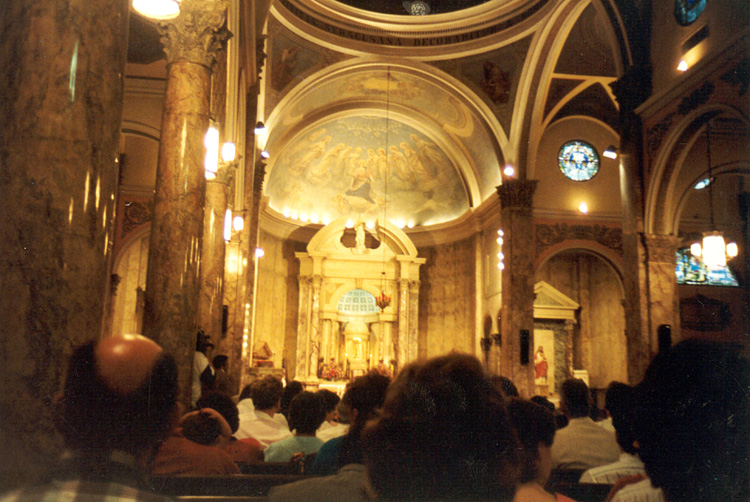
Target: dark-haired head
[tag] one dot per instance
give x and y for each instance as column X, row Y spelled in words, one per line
column 443, row 434
column 306, row 413
column 505, row 385
column 693, row 422
column 535, row 428
column 220, row 361
column 292, row 389
column 330, row 400
column 620, row 404
column 224, row 405
column 201, row 428
column 574, row 398
column 362, row 398
column 266, row 392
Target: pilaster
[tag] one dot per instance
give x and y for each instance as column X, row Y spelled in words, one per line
column 516, row 200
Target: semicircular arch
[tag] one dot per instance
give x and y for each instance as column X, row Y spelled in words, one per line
column 664, row 195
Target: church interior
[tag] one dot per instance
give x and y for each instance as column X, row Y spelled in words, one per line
column 329, row 187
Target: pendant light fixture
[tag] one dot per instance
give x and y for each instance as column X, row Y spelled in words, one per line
column 383, row 300
column 713, row 250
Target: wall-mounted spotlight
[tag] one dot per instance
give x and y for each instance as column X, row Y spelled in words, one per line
column 264, row 154
column 228, row 226
column 157, row 9
column 682, row 65
column 260, row 128
column 509, row 171
column 610, row 152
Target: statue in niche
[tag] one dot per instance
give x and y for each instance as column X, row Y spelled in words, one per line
column 359, row 239
column 540, row 365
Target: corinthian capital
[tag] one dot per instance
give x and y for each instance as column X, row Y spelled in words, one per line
column 517, row 193
column 197, row 34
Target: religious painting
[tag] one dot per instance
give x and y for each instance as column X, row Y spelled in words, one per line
column 544, row 361
column 366, row 166
column 288, row 61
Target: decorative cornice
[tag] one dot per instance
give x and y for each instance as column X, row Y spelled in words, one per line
column 397, row 35
column 547, row 235
column 517, row 193
column 197, row 34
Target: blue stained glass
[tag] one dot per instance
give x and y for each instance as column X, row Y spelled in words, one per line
column 687, row 11
column 578, row 160
column 691, row 270
column 357, row 301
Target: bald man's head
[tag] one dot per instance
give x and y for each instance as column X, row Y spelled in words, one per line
column 120, row 393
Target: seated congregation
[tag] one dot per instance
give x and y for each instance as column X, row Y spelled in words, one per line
column 440, row 430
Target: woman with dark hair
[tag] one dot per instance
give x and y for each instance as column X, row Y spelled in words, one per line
column 290, row 391
column 535, row 429
column 361, row 400
column 443, row 434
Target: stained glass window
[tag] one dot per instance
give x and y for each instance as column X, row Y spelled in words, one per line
column 358, row 301
column 703, row 183
column 578, row 160
column 691, row 270
column 687, row 11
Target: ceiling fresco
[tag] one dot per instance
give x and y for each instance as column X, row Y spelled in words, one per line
column 367, row 167
column 423, row 104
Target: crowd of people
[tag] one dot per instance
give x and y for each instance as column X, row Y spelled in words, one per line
column 440, row 430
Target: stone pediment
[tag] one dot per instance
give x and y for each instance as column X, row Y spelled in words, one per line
column 549, row 303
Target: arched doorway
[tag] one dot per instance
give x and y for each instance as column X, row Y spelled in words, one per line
column 594, row 283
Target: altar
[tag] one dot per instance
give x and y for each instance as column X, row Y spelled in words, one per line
column 347, row 267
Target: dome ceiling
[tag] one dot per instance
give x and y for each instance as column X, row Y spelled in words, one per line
column 399, row 7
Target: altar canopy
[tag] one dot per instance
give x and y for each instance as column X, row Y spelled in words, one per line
column 342, row 333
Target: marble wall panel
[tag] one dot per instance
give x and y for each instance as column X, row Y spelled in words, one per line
column 446, row 299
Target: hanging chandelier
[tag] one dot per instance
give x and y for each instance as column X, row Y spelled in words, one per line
column 383, row 300
column 713, row 249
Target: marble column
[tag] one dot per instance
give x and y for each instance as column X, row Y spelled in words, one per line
column 213, row 256
column 569, row 329
column 516, row 198
column 632, row 89
column 663, row 299
column 303, row 328
column 312, row 370
column 326, row 351
column 402, row 344
column 191, row 42
column 61, row 75
column 413, row 319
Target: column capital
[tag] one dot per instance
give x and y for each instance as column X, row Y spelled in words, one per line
column 660, row 248
column 197, row 34
column 517, row 193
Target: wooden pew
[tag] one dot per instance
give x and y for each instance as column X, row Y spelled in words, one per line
column 241, row 485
